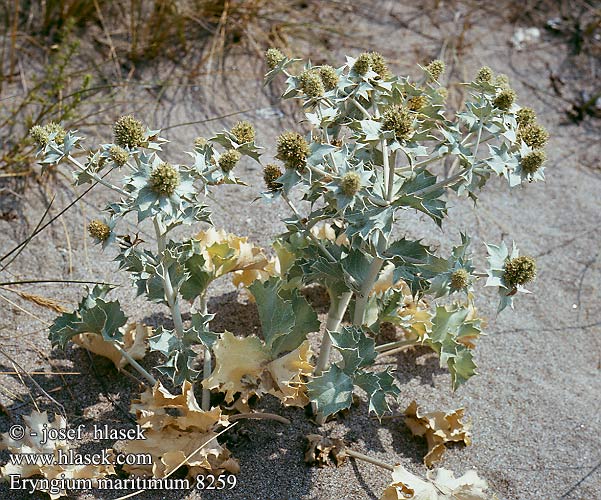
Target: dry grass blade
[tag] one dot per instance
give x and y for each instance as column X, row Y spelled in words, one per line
column 39, row 300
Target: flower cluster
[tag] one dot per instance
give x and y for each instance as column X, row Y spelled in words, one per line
column 129, row 132
column 292, row 149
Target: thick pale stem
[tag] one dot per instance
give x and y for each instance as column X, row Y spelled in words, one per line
column 389, row 167
column 136, row 365
column 338, row 306
column 205, row 403
column 363, row 295
column 259, row 416
column 394, row 345
column 365, row 458
column 170, row 294
column 361, row 108
column 378, row 262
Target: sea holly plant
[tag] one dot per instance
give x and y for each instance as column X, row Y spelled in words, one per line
column 375, row 149
column 379, row 146
column 169, row 272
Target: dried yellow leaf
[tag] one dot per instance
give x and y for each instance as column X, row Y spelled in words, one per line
column 31, row 444
column 288, row 374
column 440, row 486
column 243, row 365
column 177, row 433
column 438, row 428
column 135, row 343
column 239, row 363
column 323, row 451
column 225, row 253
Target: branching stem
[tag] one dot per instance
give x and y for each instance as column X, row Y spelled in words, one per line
column 170, row 294
column 365, row 458
column 205, row 403
column 139, row 368
column 338, row 306
column 259, row 416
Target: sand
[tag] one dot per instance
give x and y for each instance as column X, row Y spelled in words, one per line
column 535, row 404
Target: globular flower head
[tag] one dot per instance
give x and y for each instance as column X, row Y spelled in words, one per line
column 118, row 155
column 443, row 92
column 398, row 119
column 329, row 77
column 164, row 179
column 243, row 132
column 417, row 102
column 273, row 57
column 41, row 134
column 271, row 173
column 229, row 159
column 378, row 64
column 129, row 132
column 504, row 99
column 502, row 80
column 533, row 160
column 362, row 64
column 292, row 149
column 99, row 230
column 525, row 116
column 435, row 69
column 484, row 75
column 311, row 83
column 200, row 142
column 460, row 279
column 519, row 271
column 57, row 130
column 350, row 183
column 533, row 134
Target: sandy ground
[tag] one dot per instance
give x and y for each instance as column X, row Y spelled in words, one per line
column 535, row 405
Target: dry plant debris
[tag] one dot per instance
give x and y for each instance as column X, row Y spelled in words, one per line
column 244, row 366
column 31, row 444
column 323, row 451
column 438, row 428
column 135, row 343
column 438, row 485
column 178, row 432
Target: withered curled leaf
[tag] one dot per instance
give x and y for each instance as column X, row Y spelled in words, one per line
column 323, row 451
column 438, row 428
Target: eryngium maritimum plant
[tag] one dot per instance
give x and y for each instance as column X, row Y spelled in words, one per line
column 374, row 149
column 168, row 271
